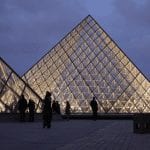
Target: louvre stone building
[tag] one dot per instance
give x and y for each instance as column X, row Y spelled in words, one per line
column 85, row 63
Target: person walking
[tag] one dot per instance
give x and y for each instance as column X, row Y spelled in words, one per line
column 94, row 107
column 47, row 110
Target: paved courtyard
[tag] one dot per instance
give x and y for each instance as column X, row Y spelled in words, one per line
column 73, row 135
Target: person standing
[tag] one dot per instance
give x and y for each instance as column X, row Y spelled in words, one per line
column 22, row 106
column 54, row 106
column 31, row 106
column 67, row 110
column 57, row 108
column 94, row 107
column 47, row 110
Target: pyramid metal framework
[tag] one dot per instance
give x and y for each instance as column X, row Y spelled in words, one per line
column 11, row 87
column 87, row 63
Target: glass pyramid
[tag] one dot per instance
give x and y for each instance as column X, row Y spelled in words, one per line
column 11, row 87
column 87, row 63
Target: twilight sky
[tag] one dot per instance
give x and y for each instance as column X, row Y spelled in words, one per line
column 28, row 29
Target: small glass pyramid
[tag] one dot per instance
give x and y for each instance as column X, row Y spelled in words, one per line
column 11, row 87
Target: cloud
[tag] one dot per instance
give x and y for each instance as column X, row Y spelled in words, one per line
column 133, row 20
column 135, row 11
column 30, row 28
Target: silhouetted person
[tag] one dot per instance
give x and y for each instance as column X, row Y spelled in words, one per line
column 54, row 106
column 67, row 109
column 22, row 106
column 47, row 110
column 57, row 108
column 94, row 107
column 31, row 106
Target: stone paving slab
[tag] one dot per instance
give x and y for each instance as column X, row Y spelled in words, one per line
column 116, row 136
column 73, row 135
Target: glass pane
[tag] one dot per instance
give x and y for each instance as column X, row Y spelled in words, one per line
column 9, row 100
column 4, row 71
column 30, row 95
column 16, row 84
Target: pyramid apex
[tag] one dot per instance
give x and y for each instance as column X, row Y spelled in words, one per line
column 89, row 16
